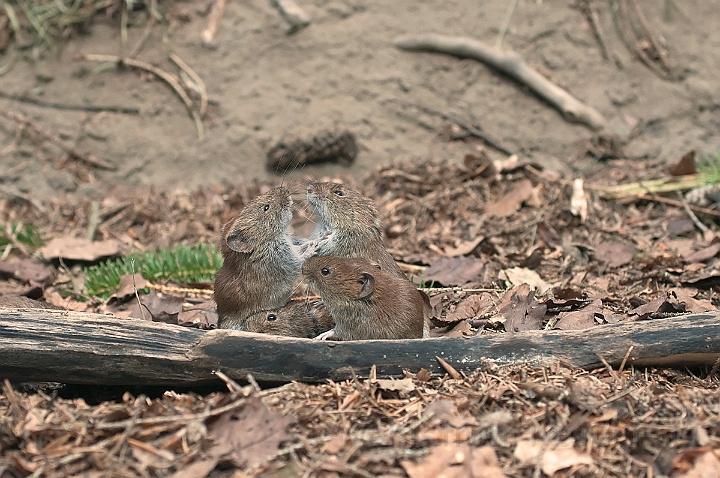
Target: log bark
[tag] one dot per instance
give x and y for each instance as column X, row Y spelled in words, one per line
column 71, row 347
column 511, row 64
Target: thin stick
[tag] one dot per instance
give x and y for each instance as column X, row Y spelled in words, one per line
column 625, row 359
column 146, row 33
column 165, row 76
column 672, row 202
column 594, row 20
column 506, row 23
column 137, row 296
column 214, row 17
column 87, row 159
column 631, row 42
column 94, row 220
column 511, row 64
column 66, row 107
column 12, row 237
column 661, row 51
column 196, row 78
column 703, row 228
column 487, row 138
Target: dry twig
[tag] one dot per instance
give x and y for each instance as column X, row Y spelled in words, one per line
column 511, row 64
column 214, row 17
column 474, row 131
column 90, row 159
column 165, row 76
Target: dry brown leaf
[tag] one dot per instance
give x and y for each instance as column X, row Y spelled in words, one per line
column 28, row 270
column 703, row 254
column 470, row 307
column 527, row 451
column 196, row 469
column 511, row 202
column 562, row 456
column 521, row 275
column 156, row 460
column 337, row 444
column 129, row 284
column 80, row 249
column 461, row 329
column 580, row 319
column 615, row 254
column 658, row 306
column 451, row 271
column 445, row 411
column 200, row 316
column 706, row 465
column 464, row 247
column 456, row 461
column 158, row 307
column 248, row 435
column 680, row 226
column 685, row 166
column 55, row 298
column 687, row 297
column 522, row 311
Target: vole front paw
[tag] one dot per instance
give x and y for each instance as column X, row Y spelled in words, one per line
column 309, row 248
column 326, row 335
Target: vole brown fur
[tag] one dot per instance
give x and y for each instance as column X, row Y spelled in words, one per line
column 353, row 220
column 365, row 301
column 261, row 263
column 296, row 319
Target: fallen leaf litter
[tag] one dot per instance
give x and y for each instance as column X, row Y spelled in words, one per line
column 509, row 421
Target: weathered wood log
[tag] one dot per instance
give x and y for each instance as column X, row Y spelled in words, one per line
column 71, row 347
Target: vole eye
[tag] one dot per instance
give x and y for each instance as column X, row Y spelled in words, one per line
column 338, row 192
column 271, row 317
column 325, row 271
column 266, row 207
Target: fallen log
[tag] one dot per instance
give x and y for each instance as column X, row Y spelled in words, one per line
column 72, row 347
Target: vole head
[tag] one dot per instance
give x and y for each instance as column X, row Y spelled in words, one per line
column 265, row 217
column 296, row 319
column 341, row 277
column 342, row 208
column 268, row 322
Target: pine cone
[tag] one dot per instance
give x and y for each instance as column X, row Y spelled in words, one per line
column 325, row 147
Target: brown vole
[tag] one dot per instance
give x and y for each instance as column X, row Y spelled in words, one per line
column 353, row 220
column 261, row 263
column 365, row 301
column 296, row 319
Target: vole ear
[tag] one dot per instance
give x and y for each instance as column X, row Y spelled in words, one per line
column 238, row 241
column 367, row 285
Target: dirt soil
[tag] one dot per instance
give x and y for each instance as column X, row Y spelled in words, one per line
column 264, row 85
column 447, row 221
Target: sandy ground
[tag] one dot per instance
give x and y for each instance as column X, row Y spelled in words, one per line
column 264, row 85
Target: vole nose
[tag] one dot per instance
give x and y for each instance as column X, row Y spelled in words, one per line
column 310, row 189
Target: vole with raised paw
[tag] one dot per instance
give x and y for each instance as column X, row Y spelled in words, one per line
column 296, row 319
column 365, row 301
column 353, row 220
column 261, row 264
